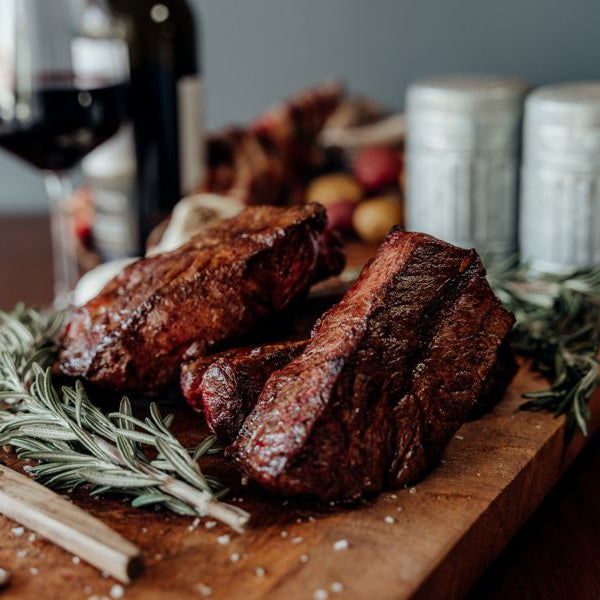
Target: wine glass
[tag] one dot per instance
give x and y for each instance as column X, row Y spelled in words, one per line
column 63, row 75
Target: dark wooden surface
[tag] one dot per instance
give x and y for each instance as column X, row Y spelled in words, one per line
column 25, row 261
column 555, row 555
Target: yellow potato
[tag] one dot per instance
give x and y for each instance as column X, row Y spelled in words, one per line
column 373, row 218
column 331, row 189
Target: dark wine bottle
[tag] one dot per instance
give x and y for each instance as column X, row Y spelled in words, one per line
column 165, row 103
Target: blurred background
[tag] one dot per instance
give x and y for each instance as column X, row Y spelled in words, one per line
column 255, row 53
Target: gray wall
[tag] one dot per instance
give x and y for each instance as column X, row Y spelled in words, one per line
column 256, row 51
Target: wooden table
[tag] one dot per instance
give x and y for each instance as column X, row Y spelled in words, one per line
column 555, row 555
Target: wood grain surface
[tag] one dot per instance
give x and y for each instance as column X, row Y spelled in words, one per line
column 432, row 541
column 65, row 524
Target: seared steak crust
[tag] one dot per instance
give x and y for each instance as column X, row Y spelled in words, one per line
column 390, row 374
column 226, row 386
column 131, row 337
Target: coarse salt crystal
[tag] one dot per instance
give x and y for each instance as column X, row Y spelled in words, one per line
column 389, row 519
column 21, row 553
column 459, row 437
column 260, row 572
column 297, row 540
column 4, row 577
column 413, row 490
column 32, row 537
column 304, row 558
column 320, row 594
column 341, row 545
column 210, row 524
column 116, row 591
column 76, row 560
column 234, row 557
column 34, row 571
column 203, row 589
column 336, row 587
column 157, row 556
column 223, row 540
column 284, row 534
column 194, row 524
column 18, row 531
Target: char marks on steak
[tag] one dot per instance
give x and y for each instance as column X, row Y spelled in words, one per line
column 132, row 336
column 226, row 386
column 390, row 374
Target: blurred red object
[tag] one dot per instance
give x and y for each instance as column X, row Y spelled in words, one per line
column 81, row 209
column 339, row 216
column 377, row 167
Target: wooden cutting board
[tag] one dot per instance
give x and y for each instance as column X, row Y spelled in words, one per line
column 445, row 531
column 430, row 541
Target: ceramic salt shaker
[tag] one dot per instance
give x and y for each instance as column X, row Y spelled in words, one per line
column 560, row 186
column 463, row 138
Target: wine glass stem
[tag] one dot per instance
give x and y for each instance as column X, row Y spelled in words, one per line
column 66, row 273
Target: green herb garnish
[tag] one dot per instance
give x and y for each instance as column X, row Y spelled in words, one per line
column 75, row 443
column 558, row 327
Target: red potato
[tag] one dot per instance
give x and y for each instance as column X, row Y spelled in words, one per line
column 339, row 215
column 377, row 167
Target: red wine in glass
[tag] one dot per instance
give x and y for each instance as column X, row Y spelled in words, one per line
column 68, row 123
column 64, row 70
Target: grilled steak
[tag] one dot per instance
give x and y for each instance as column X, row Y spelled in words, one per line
column 268, row 161
column 226, row 386
column 132, row 336
column 390, row 374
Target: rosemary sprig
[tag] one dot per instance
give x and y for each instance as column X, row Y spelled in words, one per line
column 558, row 327
column 75, row 443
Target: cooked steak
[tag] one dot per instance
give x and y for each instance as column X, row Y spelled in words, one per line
column 131, row 337
column 226, row 386
column 268, row 161
column 389, row 375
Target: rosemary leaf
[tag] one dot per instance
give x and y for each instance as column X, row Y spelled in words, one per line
column 558, row 328
column 75, row 443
